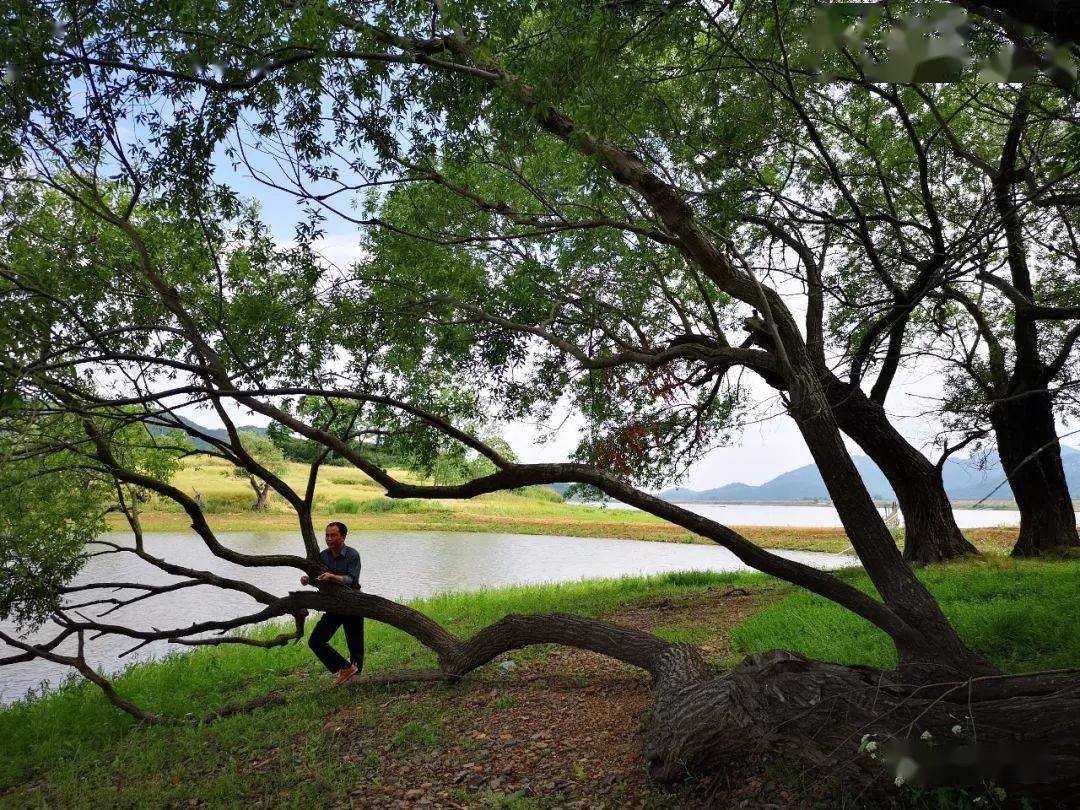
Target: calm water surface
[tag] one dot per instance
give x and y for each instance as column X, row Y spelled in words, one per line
column 398, row 565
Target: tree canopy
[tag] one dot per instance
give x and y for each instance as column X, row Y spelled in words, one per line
column 625, row 209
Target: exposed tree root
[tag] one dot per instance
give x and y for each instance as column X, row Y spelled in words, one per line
column 1018, row 733
column 271, row 699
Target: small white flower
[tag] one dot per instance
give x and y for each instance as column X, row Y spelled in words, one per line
column 871, row 746
column 957, row 730
column 926, row 735
column 906, row 768
column 899, row 781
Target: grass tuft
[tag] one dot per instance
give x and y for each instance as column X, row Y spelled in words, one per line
column 403, row 506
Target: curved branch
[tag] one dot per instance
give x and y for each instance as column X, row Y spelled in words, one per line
column 78, row 661
column 1038, row 312
column 805, row 576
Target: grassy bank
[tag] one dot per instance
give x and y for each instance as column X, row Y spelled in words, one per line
column 347, row 494
column 358, row 744
column 1022, row 615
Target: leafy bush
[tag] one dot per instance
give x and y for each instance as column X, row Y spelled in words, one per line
column 223, row 504
column 350, row 480
column 405, row 506
column 539, row 493
column 345, row 506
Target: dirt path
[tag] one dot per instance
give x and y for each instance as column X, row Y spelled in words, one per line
column 562, row 728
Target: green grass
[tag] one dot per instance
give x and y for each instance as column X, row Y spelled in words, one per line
column 1023, row 616
column 73, row 749
column 404, row 506
column 94, row 756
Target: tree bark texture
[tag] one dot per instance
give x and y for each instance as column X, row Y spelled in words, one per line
column 1031, row 457
column 930, row 531
column 1022, row 734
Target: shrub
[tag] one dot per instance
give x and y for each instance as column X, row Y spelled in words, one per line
column 345, row 506
column 540, row 493
column 224, row 504
column 350, row 480
column 405, row 506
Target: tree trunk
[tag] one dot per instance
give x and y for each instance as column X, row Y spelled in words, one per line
column 939, row 653
column 1020, row 734
column 1023, row 417
column 1031, row 457
column 930, row 531
column 262, row 496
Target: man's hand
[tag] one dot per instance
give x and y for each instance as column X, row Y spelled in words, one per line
column 326, row 576
column 304, row 580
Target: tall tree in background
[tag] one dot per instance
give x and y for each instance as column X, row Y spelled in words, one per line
column 946, row 194
column 850, row 205
column 1016, row 358
column 269, row 456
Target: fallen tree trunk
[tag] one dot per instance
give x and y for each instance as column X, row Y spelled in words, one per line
column 1020, row 734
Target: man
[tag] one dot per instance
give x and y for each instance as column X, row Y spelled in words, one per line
column 343, row 567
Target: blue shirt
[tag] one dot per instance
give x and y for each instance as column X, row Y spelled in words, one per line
column 347, row 563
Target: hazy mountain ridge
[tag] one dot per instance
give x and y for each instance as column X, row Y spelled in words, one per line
column 964, row 481
column 217, row 433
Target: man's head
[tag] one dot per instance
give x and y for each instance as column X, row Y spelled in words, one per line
column 335, row 536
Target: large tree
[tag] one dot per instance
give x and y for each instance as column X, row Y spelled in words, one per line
column 979, row 274
column 1015, row 356
column 548, row 147
column 962, row 199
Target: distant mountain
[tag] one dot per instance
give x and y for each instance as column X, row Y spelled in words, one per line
column 965, row 480
column 217, row 433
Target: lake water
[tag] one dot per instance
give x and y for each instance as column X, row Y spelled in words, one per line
column 397, row 565
column 787, row 514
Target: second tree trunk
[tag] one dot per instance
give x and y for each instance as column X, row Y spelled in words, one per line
column 930, row 531
column 1031, row 457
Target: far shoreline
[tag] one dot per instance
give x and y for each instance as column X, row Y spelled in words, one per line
column 879, row 502
column 619, row 524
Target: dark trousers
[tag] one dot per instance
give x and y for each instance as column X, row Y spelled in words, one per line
column 354, row 637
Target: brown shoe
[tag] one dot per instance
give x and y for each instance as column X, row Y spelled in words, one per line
column 344, row 675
